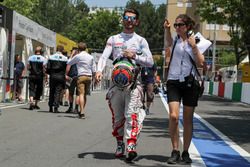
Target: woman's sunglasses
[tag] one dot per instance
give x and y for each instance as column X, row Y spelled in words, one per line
column 179, row 25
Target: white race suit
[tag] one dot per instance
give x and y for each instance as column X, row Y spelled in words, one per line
column 126, row 104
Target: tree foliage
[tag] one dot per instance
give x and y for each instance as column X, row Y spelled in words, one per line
column 97, row 27
column 230, row 12
column 151, row 23
column 24, row 7
column 245, row 24
column 72, row 19
column 56, row 15
column 226, row 58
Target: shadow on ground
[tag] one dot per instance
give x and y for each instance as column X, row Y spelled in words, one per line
column 231, row 118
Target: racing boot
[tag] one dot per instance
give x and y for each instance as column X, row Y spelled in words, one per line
column 131, row 152
column 120, row 149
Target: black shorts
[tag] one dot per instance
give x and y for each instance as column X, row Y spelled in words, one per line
column 177, row 91
column 19, row 84
column 73, row 87
column 35, row 87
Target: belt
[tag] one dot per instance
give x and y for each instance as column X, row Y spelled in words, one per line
column 85, row 75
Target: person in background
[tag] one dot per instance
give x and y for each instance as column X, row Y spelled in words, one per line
column 64, row 99
column 180, row 83
column 148, row 75
column 18, row 74
column 36, row 68
column 129, row 50
column 56, row 68
column 72, row 87
column 217, row 77
column 86, row 68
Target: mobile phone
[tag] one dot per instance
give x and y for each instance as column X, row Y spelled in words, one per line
column 197, row 40
column 189, row 33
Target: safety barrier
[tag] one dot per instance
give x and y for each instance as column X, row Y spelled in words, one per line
column 236, row 91
column 10, row 88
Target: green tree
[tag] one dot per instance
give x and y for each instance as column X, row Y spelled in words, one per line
column 226, row 12
column 245, row 24
column 24, row 7
column 159, row 30
column 79, row 11
column 151, row 23
column 54, row 14
column 71, row 19
column 226, row 58
column 133, row 4
column 97, row 27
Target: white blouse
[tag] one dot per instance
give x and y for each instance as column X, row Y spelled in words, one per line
column 180, row 65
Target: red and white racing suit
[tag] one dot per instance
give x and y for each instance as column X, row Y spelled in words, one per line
column 126, row 104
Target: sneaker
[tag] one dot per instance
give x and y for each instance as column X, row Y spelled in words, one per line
column 31, row 107
column 185, row 157
column 131, row 152
column 175, row 157
column 50, row 109
column 69, row 110
column 147, row 111
column 81, row 116
column 120, row 149
column 76, row 111
column 56, row 110
column 36, row 107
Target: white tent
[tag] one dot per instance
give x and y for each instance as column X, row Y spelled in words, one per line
column 3, row 56
column 3, row 47
column 245, row 60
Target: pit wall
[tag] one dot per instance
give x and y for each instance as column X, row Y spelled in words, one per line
column 236, row 91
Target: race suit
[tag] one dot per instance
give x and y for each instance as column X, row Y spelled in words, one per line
column 126, row 104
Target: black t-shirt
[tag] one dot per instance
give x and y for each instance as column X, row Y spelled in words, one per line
column 73, row 71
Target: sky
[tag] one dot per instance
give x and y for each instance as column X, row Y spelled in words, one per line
column 116, row 3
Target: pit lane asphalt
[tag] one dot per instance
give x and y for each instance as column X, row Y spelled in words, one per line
column 38, row 138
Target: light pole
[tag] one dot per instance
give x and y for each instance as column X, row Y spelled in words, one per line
column 164, row 57
column 164, row 52
column 214, row 43
column 214, row 50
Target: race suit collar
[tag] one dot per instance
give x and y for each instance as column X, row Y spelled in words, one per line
column 127, row 35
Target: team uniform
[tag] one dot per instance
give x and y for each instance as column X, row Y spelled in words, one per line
column 36, row 74
column 126, row 103
column 56, row 68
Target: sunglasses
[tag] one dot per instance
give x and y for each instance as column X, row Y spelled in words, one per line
column 126, row 18
column 179, row 25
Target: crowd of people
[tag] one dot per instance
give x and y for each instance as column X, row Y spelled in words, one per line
column 133, row 78
column 61, row 73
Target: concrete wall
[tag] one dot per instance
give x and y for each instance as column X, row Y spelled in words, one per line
column 236, row 91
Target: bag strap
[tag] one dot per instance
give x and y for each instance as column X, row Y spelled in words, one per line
column 194, row 65
column 171, row 57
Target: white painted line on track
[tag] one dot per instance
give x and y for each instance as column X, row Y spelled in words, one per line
column 194, row 154
column 232, row 144
column 12, row 106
